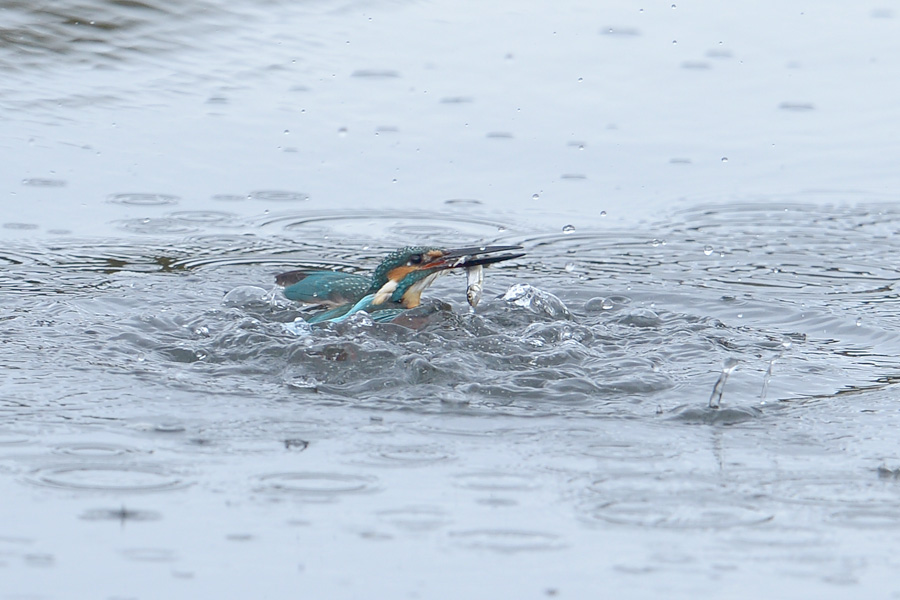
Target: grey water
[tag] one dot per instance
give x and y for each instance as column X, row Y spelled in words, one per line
column 684, row 389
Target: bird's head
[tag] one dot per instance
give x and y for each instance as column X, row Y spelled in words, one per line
column 405, row 273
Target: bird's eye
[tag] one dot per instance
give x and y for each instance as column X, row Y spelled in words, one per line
column 415, row 259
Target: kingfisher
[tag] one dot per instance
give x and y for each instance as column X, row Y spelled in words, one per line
column 395, row 286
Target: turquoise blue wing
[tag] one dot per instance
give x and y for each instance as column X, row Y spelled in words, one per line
column 334, row 314
column 331, row 288
column 381, row 315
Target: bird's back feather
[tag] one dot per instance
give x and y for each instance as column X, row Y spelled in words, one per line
column 329, row 288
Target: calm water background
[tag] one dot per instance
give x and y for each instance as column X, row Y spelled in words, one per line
column 699, row 186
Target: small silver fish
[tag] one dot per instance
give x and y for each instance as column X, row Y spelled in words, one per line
column 474, row 283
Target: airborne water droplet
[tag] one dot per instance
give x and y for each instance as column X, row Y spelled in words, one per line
column 571, row 267
column 535, row 196
column 707, row 250
column 568, row 229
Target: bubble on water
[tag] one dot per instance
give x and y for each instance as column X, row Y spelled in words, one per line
column 707, row 250
column 245, row 295
column 536, row 300
column 568, row 229
column 599, row 304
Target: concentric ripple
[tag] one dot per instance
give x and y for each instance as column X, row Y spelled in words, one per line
column 680, row 513
column 415, row 518
column 107, row 478
column 144, row 199
column 94, row 450
column 408, row 455
column 508, row 540
column 496, row 481
column 310, row 483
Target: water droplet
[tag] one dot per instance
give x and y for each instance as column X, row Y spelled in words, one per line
column 568, row 229
column 606, row 304
column 535, row 196
column 707, row 250
column 580, row 79
column 571, row 267
column 501, row 228
column 740, row 315
column 394, row 180
column 602, row 213
column 786, row 343
column 724, row 159
column 342, row 131
column 674, row 41
column 655, row 243
column 858, row 322
column 287, row 132
column 673, row 6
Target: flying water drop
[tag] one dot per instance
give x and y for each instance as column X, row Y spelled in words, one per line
column 715, row 400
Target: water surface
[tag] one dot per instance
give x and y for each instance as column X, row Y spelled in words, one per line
column 699, row 189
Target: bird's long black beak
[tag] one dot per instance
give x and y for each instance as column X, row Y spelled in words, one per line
column 470, row 257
